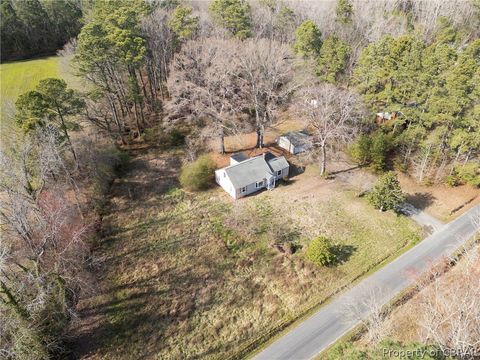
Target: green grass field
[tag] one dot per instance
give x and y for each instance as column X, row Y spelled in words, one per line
column 20, row 76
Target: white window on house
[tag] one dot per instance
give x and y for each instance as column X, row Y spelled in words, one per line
column 279, row 172
column 259, row 184
column 224, row 174
column 243, row 189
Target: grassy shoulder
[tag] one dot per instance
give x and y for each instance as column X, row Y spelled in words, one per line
column 196, row 275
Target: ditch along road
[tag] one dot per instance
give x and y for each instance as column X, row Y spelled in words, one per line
column 331, row 322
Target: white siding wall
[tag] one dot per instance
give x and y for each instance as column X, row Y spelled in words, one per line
column 284, row 143
column 250, row 189
column 225, row 183
column 223, row 180
column 283, row 174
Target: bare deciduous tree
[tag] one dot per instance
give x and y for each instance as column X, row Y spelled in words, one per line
column 161, row 46
column 266, row 73
column 333, row 114
column 203, row 85
column 369, row 311
column 42, row 249
column 451, row 310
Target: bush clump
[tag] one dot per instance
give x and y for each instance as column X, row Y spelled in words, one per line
column 320, row 252
column 466, row 174
column 372, row 150
column 198, row 175
column 387, row 193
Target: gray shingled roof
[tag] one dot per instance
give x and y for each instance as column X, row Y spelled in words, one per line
column 278, row 163
column 297, row 138
column 239, row 157
column 254, row 169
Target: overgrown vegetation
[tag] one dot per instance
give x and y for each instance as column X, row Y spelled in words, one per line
column 44, row 260
column 198, row 175
column 320, row 251
column 176, row 293
column 197, row 72
column 387, row 193
column 390, row 348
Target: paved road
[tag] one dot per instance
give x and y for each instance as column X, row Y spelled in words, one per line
column 327, row 325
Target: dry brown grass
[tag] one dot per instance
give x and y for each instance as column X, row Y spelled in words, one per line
column 404, row 323
column 200, row 276
column 440, row 200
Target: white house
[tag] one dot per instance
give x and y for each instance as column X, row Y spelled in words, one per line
column 295, row 142
column 245, row 176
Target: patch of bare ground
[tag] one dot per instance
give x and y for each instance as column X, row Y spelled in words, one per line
column 198, row 275
column 441, row 201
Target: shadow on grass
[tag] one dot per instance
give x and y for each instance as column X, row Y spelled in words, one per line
column 347, row 170
column 296, row 170
column 343, row 253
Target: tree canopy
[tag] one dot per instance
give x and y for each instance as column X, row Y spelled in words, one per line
column 333, row 59
column 233, row 16
column 51, row 103
column 308, row 39
column 36, row 27
column 387, row 193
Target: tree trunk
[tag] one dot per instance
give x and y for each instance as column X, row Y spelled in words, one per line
column 424, row 163
column 222, row 142
column 258, row 138
column 136, row 117
column 323, row 162
column 260, row 135
column 64, row 128
column 467, row 158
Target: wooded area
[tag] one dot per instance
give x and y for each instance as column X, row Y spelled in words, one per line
column 197, row 72
column 34, row 28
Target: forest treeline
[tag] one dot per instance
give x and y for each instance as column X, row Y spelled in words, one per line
column 32, row 28
column 197, row 71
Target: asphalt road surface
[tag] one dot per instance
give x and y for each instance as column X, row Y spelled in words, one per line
column 331, row 322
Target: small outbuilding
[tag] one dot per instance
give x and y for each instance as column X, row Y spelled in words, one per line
column 244, row 177
column 295, row 142
column 385, row 117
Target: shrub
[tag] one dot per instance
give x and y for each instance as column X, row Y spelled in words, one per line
column 165, row 139
column 320, row 251
column 351, row 351
column 198, row 175
column 372, row 149
column 466, row 174
column 381, row 145
column 387, row 193
column 176, row 137
column 452, row 180
column 360, row 150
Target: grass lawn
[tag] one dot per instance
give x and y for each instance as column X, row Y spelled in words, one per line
column 201, row 276
column 20, row 76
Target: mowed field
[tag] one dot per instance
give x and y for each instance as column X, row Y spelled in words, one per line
column 20, row 76
column 198, row 275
